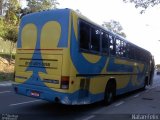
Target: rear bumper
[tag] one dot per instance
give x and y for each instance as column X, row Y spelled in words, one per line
column 51, row 95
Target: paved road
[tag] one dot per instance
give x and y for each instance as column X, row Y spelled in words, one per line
column 22, row 107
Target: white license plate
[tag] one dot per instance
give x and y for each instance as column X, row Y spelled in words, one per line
column 35, row 94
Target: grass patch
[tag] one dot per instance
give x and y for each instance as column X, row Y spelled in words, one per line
column 6, row 77
column 7, row 56
column 6, row 68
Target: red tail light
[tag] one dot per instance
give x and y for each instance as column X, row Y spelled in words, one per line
column 64, row 82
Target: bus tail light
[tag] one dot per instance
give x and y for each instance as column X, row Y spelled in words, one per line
column 64, row 82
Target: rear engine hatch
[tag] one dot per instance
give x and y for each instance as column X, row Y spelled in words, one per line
column 48, row 69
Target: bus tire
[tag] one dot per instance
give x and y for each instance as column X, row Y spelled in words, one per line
column 145, row 83
column 110, row 93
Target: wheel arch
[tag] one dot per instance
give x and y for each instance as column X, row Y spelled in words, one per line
column 110, row 91
column 112, row 81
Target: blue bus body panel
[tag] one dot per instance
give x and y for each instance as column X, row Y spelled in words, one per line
column 63, row 98
column 39, row 19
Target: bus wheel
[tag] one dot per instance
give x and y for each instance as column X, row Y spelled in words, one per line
column 145, row 83
column 110, row 93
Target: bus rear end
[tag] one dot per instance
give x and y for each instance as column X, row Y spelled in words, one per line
column 42, row 42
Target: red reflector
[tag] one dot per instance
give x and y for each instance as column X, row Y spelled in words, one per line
column 65, row 78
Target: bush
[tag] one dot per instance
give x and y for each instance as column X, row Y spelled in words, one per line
column 7, row 56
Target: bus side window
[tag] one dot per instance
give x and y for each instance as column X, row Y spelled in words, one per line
column 121, row 49
column 132, row 52
column 118, row 52
column 105, row 42
column 139, row 55
column 112, row 45
column 124, row 49
column 127, row 50
column 84, row 35
column 95, row 39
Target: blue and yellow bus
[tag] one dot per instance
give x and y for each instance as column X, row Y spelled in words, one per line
column 66, row 58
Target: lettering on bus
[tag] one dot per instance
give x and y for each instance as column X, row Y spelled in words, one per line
column 37, row 64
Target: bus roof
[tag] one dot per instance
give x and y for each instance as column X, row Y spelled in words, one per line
column 110, row 32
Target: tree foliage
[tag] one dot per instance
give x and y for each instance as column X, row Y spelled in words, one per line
column 144, row 4
column 9, row 24
column 11, row 20
column 37, row 5
column 115, row 27
column 13, row 9
column 2, row 28
column 10, row 33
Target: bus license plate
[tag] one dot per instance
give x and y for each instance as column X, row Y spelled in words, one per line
column 35, row 94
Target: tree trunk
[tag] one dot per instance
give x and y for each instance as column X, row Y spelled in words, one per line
column 11, row 49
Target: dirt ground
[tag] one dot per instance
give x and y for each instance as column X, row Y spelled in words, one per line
column 6, row 69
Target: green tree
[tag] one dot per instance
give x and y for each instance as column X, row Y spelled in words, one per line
column 115, row 27
column 13, row 10
column 12, row 15
column 37, row 5
column 11, row 34
column 1, row 28
column 144, row 4
column 10, row 23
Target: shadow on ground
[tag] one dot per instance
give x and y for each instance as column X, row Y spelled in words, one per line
column 56, row 111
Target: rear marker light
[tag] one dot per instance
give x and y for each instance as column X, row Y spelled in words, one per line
column 72, row 82
column 64, row 82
